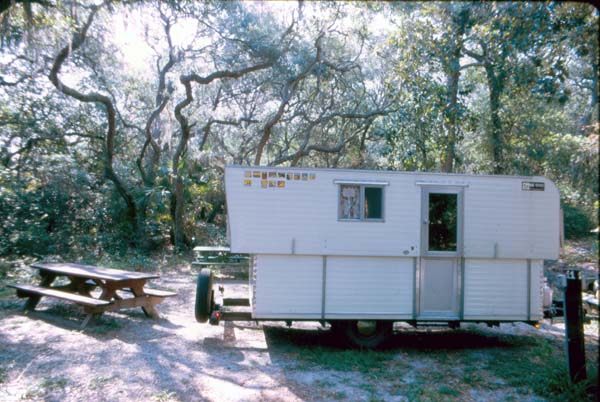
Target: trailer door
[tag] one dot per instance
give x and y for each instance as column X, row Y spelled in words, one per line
column 441, row 252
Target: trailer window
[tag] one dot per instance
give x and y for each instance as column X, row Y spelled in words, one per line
column 443, row 222
column 360, row 202
column 373, row 203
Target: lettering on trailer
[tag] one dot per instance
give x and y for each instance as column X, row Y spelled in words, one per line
column 532, row 186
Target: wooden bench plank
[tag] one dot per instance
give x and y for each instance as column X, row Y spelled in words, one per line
column 79, row 299
column 159, row 293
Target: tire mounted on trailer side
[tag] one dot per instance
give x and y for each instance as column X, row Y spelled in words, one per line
column 204, row 295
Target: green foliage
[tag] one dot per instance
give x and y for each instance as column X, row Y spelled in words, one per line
column 424, row 74
column 577, row 224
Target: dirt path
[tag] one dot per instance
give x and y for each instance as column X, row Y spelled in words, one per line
column 127, row 357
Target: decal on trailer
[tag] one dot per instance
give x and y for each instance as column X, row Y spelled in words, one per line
column 532, row 186
column 275, row 179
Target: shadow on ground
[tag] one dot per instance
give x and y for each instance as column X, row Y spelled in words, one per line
column 406, row 340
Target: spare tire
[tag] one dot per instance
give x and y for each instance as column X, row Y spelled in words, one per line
column 364, row 334
column 204, row 295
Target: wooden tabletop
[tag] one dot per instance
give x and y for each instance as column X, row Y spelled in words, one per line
column 212, row 248
column 92, row 272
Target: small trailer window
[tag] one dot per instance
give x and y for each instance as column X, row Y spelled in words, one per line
column 361, row 202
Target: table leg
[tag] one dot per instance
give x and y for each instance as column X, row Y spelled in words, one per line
column 47, row 279
column 87, row 320
column 138, row 291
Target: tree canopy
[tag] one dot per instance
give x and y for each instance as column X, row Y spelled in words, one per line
column 117, row 118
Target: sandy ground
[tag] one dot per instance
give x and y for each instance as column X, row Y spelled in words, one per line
column 128, row 357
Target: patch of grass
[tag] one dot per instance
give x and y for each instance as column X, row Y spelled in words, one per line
column 363, row 361
column 446, row 390
column 541, row 368
column 46, row 386
column 103, row 325
column 49, row 384
column 165, row 396
column 99, row 382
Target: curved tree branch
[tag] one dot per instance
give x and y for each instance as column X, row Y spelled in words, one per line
column 94, row 97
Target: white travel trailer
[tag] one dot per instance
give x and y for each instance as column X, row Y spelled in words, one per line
column 361, row 249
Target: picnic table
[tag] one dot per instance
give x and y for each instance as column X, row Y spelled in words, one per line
column 218, row 256
column 118, row 289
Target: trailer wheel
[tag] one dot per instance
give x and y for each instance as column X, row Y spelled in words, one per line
column 204, row 295
column 364, row 334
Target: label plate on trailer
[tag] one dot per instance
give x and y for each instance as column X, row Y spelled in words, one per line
column 532, row 186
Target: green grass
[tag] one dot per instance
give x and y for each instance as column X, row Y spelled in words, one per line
column 537, row 364
column 165, row 396
column 515, row 365
column 364, row 361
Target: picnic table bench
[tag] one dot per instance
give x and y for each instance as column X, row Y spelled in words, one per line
column 119, row 289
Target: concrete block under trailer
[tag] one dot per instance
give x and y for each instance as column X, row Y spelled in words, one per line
column 361, row 249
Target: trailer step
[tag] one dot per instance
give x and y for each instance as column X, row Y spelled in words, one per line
column 236, row 302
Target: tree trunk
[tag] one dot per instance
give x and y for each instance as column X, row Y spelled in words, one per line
column 451, row 113
column 177, row 213
column 496, row 140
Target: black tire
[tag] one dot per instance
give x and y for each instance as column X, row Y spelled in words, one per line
column 364, row 334
column 204, row 295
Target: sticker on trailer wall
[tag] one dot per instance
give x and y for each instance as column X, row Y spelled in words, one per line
column 271, row 183
column 304, row 176
column 247, row 182
column 280, row 183
column 264, row 175
column 312, row 176
column 263, row 183
column 256, row 174
column 248, row 174
column 272, row 174
column 532, row 186
column 281, row 175
column 289, row 176
column 296, row 176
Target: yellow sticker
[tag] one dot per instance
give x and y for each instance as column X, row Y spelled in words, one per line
column 312, row 176
column 247, row 173
column 263, row 183
column 247, row 182
column 271, row 183
column 256, row 174
column 281, row 183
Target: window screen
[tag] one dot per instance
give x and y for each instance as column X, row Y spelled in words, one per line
column 349, row 202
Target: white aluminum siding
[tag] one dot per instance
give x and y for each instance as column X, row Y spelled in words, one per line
column 367, row 286
column 500, row 219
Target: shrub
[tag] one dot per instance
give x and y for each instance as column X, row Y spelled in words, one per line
column 577, row 224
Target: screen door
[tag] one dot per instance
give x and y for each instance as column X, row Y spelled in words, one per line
column 441, row 249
